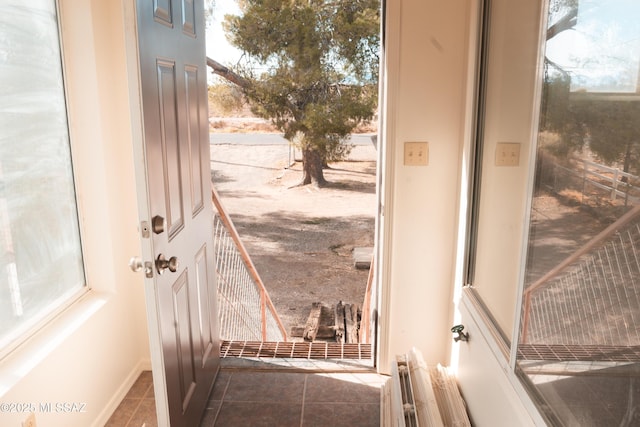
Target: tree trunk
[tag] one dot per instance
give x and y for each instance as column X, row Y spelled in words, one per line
column 312, row 170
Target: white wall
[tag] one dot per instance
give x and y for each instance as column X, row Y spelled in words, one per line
column 93, row 352
column 493, row 398
column 426, row 77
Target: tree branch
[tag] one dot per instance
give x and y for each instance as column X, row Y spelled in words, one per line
column 227, row 74
column 566, row 23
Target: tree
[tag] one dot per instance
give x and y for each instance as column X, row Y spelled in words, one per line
column 614, row 130
column 311, row 67
column 606, row 123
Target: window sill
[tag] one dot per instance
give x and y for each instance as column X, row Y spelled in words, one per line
column 25, row 358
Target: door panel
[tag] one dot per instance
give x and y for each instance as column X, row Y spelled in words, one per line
column 162, row 11
column 172, row 176
column 188, row 17
column 183, row 338
column 196, row 155
column 206, row 300
column 181, row 294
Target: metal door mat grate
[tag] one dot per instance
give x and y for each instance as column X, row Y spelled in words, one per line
column 586, row 353
column 296, row 350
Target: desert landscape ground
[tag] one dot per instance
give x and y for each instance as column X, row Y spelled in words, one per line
column 300, row 238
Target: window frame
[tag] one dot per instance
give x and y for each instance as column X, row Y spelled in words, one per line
column 62, row 304
column 505, row 350
column 506, row 338
column 499, row 340
column 501, row 346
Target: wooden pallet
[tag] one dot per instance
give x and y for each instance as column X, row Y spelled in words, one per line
column 339, row 323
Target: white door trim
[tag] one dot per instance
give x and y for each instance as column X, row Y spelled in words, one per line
column 390, row 64
column 135, row 101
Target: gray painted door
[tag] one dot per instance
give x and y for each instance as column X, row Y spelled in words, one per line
column 181, row 295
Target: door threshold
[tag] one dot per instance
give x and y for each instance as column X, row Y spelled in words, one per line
column 315, row 356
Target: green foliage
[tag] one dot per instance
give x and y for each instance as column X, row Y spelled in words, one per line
column 614, row 131
column 226, row 98
column 312, row 66
column 559, row 116
column 605, row 124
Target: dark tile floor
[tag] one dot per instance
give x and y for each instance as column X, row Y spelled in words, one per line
column 271, row 397
column 138, row 407
column 589, row 394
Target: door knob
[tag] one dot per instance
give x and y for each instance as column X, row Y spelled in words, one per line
column 462, row 336
column 136, row 264
column 162, row 264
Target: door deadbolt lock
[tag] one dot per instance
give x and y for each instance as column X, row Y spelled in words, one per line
column 162, row 264
column 158, row 224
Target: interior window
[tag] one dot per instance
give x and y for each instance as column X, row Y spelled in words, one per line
column 41, row 265
column 580, row 326
column 504, row 141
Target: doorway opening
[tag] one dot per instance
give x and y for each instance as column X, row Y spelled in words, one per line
column 311, row 246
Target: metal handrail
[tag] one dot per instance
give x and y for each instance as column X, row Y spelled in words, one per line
column 267, row 309
column 365, row 321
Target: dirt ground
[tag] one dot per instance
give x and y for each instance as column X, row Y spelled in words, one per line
column 300, row 239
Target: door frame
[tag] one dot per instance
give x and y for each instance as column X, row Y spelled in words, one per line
column 146, row 245
column 385, row 182
column 389, row 60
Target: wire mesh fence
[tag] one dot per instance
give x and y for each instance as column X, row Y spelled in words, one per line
column 593, row 297
column 245, row 310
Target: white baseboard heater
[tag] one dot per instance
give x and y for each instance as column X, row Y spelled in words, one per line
column 419, row 396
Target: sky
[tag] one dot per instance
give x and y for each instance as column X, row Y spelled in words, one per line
column 218, row 48
column 602, row 52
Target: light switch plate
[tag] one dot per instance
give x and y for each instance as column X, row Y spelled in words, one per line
column 416, row 153
column 508, row 154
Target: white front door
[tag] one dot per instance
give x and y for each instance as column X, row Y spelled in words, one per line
column 176, row 211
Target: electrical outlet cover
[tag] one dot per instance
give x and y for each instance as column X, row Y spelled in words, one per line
column 30, row 421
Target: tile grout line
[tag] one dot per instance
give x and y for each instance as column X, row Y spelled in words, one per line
column 304, row 395
column 224, row 394
column 133, row 414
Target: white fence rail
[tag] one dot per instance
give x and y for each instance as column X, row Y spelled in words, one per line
column 590, row 176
